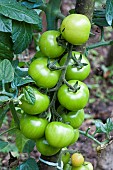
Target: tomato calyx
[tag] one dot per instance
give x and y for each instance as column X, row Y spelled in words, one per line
column 61, row 41
column 52, row 65
column 73, row 88
column 77, row 62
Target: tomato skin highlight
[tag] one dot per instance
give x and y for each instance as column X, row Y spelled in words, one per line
column 42, row 75
column 44, row 148
column 40, row 105
column 88, row 165
column 32, row 127
column 75, row 28
column 73, row 100
column 72, row 72
column 56, row 134
column 48, row 44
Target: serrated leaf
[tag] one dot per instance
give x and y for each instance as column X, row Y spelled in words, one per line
column 21, row 36
column 6, row 45
column 29, row 164
column 20, row 140
column 16, row 11
column 28, row 147
column 6, row 71
column 5, row 24
column 3, row 144
column 4, row 99
column 109, row 11
column 29, row 95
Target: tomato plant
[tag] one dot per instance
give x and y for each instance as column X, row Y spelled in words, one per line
column 78, row 67
column 82, row 167
column 76, row 136
column 75, row 28
column 42, row 75
column 40, row 105
column 56, row 134
column 65, row 156
column 48, row 44
column 44, row 148
column 77, row 159
column 33, row 127
column 73, row 100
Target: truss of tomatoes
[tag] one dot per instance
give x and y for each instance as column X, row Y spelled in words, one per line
column 52, row 136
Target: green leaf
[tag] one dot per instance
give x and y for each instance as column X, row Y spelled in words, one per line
column 6, row 71
column 16, row 11
column 20, row 77
column 21, row 36
column 3, row 144
column 29, row 146
column 109, row 11
column 5, row 24
column 109, row 125
column 4, row 99
column 6, row 46
column 20, row 140
column 29, row 164
column 29, row 95
column 3, row 114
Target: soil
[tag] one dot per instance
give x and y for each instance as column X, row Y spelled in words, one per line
column 100, row 104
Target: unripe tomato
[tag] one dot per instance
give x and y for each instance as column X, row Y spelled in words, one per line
column 88, row 165
column 56, row 134
column 65, row 156
column 48, row 44
column 82, row 167
column 76, row 136
column 75, row 118
column 77, row 159
column 42, row 75
column 73, row 100
column 67, row 167
column 73, row 72
column 32, row 127
column 40, row 105
column 75, row 28
column 44, row 148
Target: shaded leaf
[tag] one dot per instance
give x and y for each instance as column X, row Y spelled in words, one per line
column 6, row 71
column 28, row 147
column 6, row 46
column 3, row 114
column 21, row 36
column 5, row 24
column 20, row 140
column 29, row 164
column 3, row 144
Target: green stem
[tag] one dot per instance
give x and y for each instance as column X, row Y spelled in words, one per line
column 99, row 44
column 90, row 136
column 14, row 113
column 8, row 130
column 6, row 93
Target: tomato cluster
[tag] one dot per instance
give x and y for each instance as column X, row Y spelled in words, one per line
column 68, row 97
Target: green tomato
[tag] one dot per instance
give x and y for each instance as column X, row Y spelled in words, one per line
column 41, row 104
column 73, row 72
column 48, row 44
column 76, row 136
column 88, row 165
column 73, row 100
column 45, row 148
column 67, row 167
column 75, row 28
column 42, row 75
column 32, row 127
column 75, row 118
column 82, row 167
column 56, row 134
